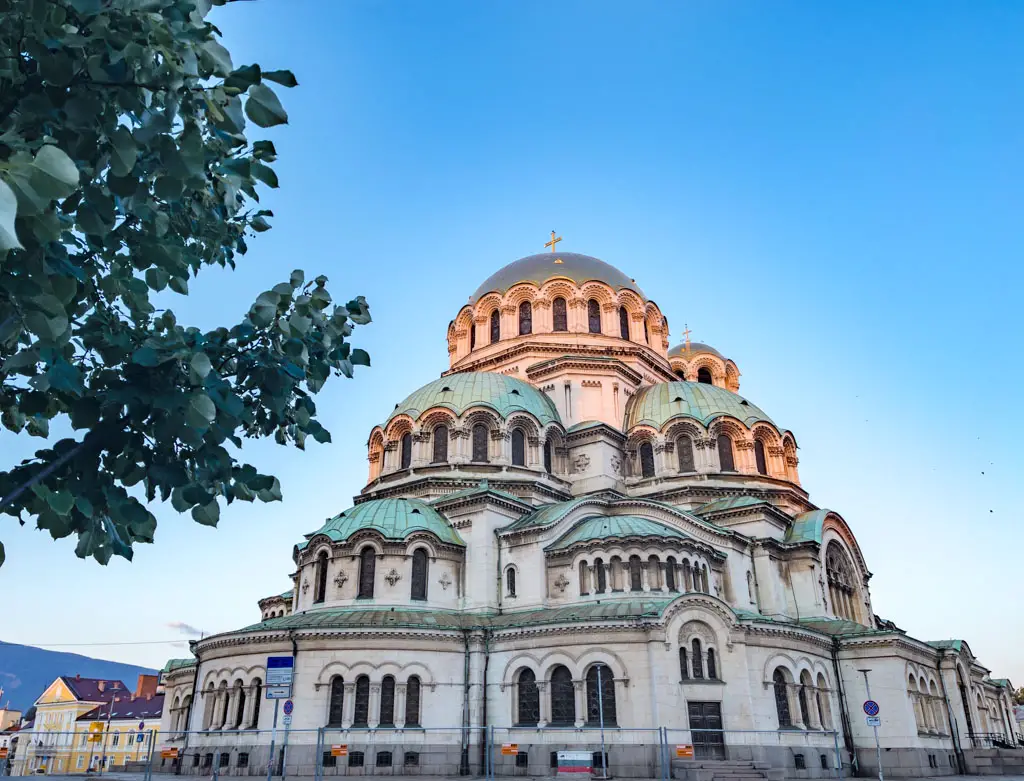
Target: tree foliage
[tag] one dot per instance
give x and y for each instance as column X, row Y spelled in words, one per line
column 124, row 170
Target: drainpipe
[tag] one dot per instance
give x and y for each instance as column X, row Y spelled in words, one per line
column 188, row 714
column 464, row 760
column 844, row 713
column 960, row 761
column 484, row 743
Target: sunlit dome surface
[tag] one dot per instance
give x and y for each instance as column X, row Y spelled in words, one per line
column 552, row 265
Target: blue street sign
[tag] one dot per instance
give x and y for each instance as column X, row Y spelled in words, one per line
column 279, row 670
column 871, row 707
column 289, row 706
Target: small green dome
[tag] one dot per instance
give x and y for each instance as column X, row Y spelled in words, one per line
column 696, row 348
column 655, row 405
column 552, row 265
column 460, row 392
column 395, row 519
column 615, row 527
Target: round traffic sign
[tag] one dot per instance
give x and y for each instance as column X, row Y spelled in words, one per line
column 142, row 726
column 289, row 706
column 871, row 707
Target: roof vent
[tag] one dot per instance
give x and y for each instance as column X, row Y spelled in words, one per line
column 416, row 512
column 396, row 406
column 677, row 398
column 515, row 392
column 446, row 389
column 745, row 403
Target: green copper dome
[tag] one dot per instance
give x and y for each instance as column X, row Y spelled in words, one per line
column 460, row 392
column 655, row 405
column 695, row 349
column 395, row 519
column 615, row 527
column 551, row 265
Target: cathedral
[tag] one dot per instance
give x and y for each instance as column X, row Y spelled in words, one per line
column 579, row 536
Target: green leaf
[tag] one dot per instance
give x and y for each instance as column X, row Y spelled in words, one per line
column 217, row 58
column 264, row 173
column 61, row 501
column 285, row 78
column 265, row 151
column 200, row 364
column 3, row 554
column 264, row 310
column 8, row 211
column 263, row 107
column 207, row 514
column 297, row 278
column 157, row 278
column 360, row 357
column 201, row 411
column 179, row 285
column 123, row 152
column 146, row 356
column 168, row 188
column 243, row 78
column 259, row 224
column 56, row 175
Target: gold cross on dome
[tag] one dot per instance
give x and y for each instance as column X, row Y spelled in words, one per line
column 686, row 334
column 553, row 241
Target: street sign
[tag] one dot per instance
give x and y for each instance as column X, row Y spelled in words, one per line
column 510, row 749
column 289, row 706
column 278, row 692
column 684, row 751
column 138, row 737
column 287, row 721
column 142, row 726
column 575, row 762
column 279, row 670
column 339, row 750
column 874, row 721
column 96, row 731
column 169, row 753
column 3, row 752
column 871, row 708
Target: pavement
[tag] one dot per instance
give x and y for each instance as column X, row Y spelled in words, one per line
column 168, row 776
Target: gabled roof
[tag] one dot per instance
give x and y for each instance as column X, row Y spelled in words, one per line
column 731, row 503
column 483, row 489
column 127, row 708
column 177, row 664
column 95, row 689
column 614, row 527
column 545, row 515
column 947, row 645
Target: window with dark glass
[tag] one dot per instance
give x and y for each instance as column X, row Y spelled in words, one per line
column 367, row 572
column 670, row 574
column 725, row 459
column 412, row 702
column 362, row 709
column 698, row 659
column 712, row 665
column 440, row 444
column 528, row 713
column 560, row 322
column 472, row 336
column 635, row 580
column 602, row 704
column 599, row 573
column 781, row 698
column 356, row 758
column 525, row 318
column 257, row 688
column 762, row 463
column 320, row 592
column 547, row 456
column 593, row 316
column 647, row 336
column 387, row 701
column 704, row 375
column 801, row 696
column 684, row 447
column 518, row 447
column 684, row 664
column 336, row 703
column 495, row 326
column 419, row 574
column 646, row 460
column 384, row 759
column 406, row 450
column 841, row 582
column 563, row 697
column 510, row 582
column 623, row 323
column 480, row 443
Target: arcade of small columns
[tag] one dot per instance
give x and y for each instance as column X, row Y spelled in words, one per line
column 221, row 705
column 816, row 697
column 654, row 574
column 348, row 709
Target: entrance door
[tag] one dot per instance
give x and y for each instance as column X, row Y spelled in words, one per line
column 706, row 716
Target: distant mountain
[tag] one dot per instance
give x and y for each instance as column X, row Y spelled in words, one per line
column 26, row 671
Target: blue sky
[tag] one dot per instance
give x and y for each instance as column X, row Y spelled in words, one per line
column 829, row 193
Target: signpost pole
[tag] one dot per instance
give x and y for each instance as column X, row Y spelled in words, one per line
column 273, row 737
column 878, row 747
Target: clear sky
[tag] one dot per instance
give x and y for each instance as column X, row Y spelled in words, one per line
column 829, row 193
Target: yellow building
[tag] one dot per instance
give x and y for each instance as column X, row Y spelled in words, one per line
column 83, row 723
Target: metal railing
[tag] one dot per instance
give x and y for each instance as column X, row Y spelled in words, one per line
column 994, row 740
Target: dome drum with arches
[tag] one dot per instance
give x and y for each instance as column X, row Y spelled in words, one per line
column 545, row 266
column 460, row 392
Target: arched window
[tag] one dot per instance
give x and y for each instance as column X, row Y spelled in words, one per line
column 704, row 578
column 518, row 447
column 412, row 702
column 472, row 335
column 704, row 375
column 684, row 447
column 593, row 316
column 480, row 443
column 525, row 318
column 440, row 445
column 824, row 706
column 320, row 592
column 600, row 697
column 670, row 574
column 367, row 572
column 712, row 665
column 647, row 336
column 762, row 463
column 681, row 375
column 623, row 323
column 841, row 584
column 495, row 326
column 725, row 459
column 336, row 704
column 801, row 695
column 239, row 704
column 362, row 709
column 547, row 456
column 563, row 697
column 559, row 320
column 528, row 710
column 406, row 450
column 257, row 694
column 646, row 459
column 684, row 665
column 583, row 578
column 635, row 580
column 781, row 698
column 419, row 574
column 510, row 582
column 698, row 659
column 602, row 578
column 387, row 701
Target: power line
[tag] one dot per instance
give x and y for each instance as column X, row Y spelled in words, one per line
column 132, row 642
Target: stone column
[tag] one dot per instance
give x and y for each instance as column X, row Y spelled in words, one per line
column 663, row 569
column 373, row 717
column 349, row 706
column 545, row 704
column 580, row 690
column 645, row 582
column 794, row 705
column 251, row 703
column 401, row 690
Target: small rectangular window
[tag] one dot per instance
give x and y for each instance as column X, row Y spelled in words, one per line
column 330, row 760
column 554, row 760
column 243, row 759
column 383, row 759
column 355, row 759
column 412, row 759
column 824, row 761
column 801, row 764
column 195, row 760
column 208, row 760
column 523, row 759
column 598, row 759
column 225, row 759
